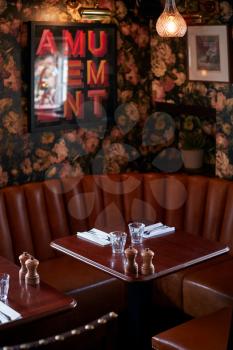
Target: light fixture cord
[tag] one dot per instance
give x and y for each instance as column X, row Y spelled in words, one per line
column 170, row 6
column 96, row 4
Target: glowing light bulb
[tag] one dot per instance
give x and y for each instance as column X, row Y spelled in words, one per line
column 204, row 72
column 171, row 23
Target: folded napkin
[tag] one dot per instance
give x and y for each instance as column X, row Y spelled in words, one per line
column 96, row 236
column 158, row 230
column 150, row 228
column 7, row 313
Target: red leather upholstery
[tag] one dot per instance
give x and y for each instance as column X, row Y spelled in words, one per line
column 32, row 215
column 197, row 204
column 169, row 289
column 208, row 289
column 206, row 333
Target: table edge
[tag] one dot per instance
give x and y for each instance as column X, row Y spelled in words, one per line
column 132, row 279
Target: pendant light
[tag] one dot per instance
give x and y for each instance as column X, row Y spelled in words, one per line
column 90, row 13
column 170, row 23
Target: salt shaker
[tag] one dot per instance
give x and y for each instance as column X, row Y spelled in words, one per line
column 32, row 277
column 23, row 270
column 131, row 265
column 147, row 265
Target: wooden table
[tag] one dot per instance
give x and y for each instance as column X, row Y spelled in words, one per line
column 173, row 252
column 32, row 302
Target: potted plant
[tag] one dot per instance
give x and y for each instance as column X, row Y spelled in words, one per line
column 192, row 143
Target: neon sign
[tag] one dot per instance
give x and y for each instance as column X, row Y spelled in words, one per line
column 72, row 74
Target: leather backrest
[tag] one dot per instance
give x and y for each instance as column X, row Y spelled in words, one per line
column 32, row 215
column 99, row 201
column 6, row 246
column 175, row 200
column 18, row 220
column 196, row 204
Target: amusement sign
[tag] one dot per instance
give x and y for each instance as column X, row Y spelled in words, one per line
column 72, row 75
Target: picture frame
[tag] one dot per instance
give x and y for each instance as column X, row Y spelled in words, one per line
column 209, row 53
column 72, row 76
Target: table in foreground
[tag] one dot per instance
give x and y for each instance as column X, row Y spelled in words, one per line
column 32, row 302
column 173, row 252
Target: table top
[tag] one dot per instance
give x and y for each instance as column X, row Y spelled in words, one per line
column 173, row 252
column 32, row 302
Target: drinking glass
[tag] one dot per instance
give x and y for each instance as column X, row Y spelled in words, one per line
column 4, row 286
column 136, row 230
column 118, row 240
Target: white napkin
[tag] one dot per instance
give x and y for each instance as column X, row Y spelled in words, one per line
column 7, row 312
column 96, row 236
column 100, row 233
column 150, row 228
column 158, row 231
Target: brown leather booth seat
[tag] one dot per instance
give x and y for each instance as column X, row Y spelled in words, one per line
column 32, row 215
column 209, row 332
column 208, row 289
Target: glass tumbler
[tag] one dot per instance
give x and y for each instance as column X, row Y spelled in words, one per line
column 118, row 240
column 136, row 230
column 4, row 286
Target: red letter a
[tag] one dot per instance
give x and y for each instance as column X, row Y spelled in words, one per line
column 47, row 44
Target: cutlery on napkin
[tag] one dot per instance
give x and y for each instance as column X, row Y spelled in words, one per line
column 159, row 230
column 7, row 313
column 100, row 234
column 148, row 229
column 96, row 236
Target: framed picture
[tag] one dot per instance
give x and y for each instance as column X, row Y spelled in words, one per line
column 209, row 52
column 73, row 75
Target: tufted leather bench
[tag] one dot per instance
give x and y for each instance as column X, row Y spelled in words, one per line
column 32, row 215
column 209, row 332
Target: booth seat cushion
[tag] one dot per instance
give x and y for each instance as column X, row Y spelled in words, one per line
column 88, row 285
column 208, row 289
column 168, row 290
column 206, row 333
column 34, row 214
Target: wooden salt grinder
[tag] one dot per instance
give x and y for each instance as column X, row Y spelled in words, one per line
column 32, row 276
column 131, row 266
column 147, row 266
column 23, row 270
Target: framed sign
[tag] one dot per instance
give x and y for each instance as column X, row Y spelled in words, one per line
column 209, row 52
column 73, row 73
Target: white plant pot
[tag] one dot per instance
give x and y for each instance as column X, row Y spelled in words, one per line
column 193, row 159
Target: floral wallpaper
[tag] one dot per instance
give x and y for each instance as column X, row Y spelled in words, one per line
column 148, row 70
column 170, row 84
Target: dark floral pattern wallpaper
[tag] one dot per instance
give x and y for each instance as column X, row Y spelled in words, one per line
column 141, row 137
column 170, row 84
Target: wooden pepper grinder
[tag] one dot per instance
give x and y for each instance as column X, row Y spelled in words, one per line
column 23, row 270
column 32, row 276
column 131, row 267
column 147, row 265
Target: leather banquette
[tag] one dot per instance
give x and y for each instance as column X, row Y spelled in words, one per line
column 34, row 214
